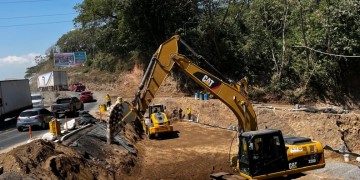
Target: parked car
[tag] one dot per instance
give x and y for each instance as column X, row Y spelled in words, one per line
column 37, row 100
column 34, row 117
column 77, row 87
column 66, row 105
column 86, row 96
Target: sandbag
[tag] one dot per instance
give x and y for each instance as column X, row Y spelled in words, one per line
column 70, row 124
column 49, row 136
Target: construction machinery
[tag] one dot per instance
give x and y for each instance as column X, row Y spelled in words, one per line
column 263, row 153
column 156, row 122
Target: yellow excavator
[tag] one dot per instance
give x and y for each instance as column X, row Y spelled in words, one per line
column 262, row 154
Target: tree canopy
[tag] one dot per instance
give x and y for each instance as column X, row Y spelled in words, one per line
column 260, row 39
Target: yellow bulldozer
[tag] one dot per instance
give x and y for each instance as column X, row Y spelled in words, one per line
column 157, row 122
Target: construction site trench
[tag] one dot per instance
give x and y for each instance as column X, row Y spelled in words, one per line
column 194, row 151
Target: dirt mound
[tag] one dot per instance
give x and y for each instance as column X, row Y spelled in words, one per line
column 91, row 159
column 48, row 160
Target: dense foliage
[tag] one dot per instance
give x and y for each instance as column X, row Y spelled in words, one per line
column 255, row 38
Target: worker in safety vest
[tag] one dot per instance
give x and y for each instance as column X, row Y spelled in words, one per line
column 189, row 113
column 118, row 100
column 108, row 100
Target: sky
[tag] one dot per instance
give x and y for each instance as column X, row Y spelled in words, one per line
column 30, row 36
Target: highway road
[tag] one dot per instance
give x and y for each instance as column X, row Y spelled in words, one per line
column 10, row 136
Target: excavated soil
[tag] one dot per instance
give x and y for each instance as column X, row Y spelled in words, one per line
column 48, row 160
column 192, row 152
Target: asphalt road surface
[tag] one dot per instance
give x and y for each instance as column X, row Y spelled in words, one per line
column 10, row 136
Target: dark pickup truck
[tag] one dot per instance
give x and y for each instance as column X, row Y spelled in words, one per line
column 66, row 105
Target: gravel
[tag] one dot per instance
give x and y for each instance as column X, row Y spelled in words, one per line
column 338, row 169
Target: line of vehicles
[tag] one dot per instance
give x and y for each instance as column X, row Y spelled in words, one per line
column 17, row 101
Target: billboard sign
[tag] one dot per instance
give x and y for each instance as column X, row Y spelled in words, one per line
column 69, row 59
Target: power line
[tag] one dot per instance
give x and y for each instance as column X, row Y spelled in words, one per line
column 33, row 24
column 326, row 53
column 29, row 1
column 23, row 17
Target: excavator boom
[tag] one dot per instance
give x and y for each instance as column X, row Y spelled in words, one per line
column 166, row 57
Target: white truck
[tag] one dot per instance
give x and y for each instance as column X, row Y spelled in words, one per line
column 52, row 81
column 15, row 96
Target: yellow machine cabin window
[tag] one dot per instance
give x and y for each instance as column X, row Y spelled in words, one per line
column 244, row 156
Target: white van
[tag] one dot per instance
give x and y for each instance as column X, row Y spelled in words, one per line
column 37, row 100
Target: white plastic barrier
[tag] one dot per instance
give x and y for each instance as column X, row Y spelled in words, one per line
column 70, row 124
column 49, row 136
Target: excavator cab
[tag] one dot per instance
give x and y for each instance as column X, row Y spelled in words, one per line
column 261, row 152
column 267, row 154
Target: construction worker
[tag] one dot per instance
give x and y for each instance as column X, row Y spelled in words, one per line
column 118, row 100
column 180, row 113
column 108, row 100
column 189, row 113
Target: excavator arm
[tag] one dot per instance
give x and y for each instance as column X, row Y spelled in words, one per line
column 166, row 57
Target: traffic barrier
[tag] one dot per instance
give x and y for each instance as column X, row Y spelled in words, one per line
column 54, row 127
column 30, row 132
column 102, row 108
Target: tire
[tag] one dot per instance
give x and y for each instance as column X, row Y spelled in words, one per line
column 2, row 120
column 74, row 112
column 20, row 129
column 43, row 125
column 151, row 136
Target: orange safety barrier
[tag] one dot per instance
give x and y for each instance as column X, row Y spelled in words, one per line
column 30, row 132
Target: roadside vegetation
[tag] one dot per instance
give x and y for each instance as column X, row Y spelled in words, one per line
column 257, row 39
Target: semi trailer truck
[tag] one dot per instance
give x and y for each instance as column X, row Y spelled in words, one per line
column 15, row 96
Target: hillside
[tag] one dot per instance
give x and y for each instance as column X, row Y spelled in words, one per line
column 127, row 84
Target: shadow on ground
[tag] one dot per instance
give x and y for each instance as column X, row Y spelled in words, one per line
column 8, row 124
column 165, row 136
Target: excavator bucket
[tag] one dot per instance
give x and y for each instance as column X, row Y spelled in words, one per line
column 120, row 115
